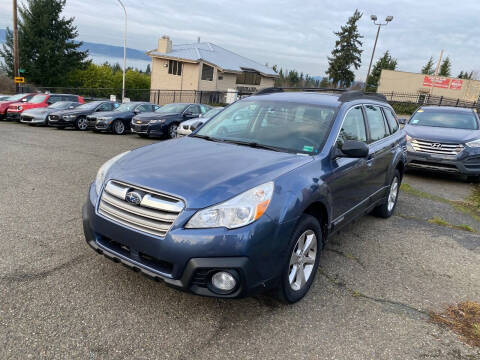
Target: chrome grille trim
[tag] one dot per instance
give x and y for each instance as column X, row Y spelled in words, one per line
column 431, row 147
column 155, row 215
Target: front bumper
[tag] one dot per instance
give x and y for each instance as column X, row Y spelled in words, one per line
column 13, row 116
column 147, row 129
column 186, row 258
column 183, row 132
column 103, row 126
column 25, row 119
column 467, row 162
column 60, row 122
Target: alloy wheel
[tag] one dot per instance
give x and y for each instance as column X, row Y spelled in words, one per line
column 119, row 127
column 82, row 124
column 302, row 260
column 392, row 196
column 173, row 131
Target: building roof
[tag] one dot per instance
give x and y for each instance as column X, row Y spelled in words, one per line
column 226, row 60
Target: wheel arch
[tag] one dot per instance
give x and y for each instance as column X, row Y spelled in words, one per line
column 319, row 211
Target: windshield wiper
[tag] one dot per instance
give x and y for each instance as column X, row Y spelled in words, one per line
column 206, row 137
column 258, row 146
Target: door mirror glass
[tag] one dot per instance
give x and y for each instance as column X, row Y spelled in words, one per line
column 402, row 121
column 354, row 149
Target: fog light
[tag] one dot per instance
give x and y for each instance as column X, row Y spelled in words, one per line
column 224, row 281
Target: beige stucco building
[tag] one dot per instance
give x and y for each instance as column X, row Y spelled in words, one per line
column 412, row 83
column 205, row 66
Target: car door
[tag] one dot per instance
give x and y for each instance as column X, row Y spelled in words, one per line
column 347, row 180
column 380, row 151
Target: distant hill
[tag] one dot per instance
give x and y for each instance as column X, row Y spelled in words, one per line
column 103, row 52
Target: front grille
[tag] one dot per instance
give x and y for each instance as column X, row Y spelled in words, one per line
column 201, row 277
column 140, row 127
column 27, row 118
column 155, row 214
column 432, row 147
column 439, row 166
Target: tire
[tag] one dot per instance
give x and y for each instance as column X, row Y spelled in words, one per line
column 299, row 272
column 172, row 131
column 81, row 123
column 118, row 127
column 473, row 179
column 387, row 209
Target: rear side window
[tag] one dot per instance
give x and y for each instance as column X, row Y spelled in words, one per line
column 353, row 127
column 376, row 123
column 391, row 119
column 105, row 107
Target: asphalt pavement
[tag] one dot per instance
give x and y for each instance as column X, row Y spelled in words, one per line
column 377, row 280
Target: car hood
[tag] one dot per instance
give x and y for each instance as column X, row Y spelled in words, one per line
column 146, row 117
column 195, row 120
column 114, row 114
column 74, row 112
column 202, row 172
column 448, row 135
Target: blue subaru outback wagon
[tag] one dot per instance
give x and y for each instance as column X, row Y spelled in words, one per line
column 247, row 203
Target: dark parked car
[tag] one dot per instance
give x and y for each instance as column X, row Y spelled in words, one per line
column 4, row 104
column 187, row 127
column 118, row 120
column 77, row 117
column 445, row 139
column 245, row 208
column 39, row 116
column 165, row 121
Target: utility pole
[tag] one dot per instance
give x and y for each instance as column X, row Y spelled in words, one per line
column 436, row 71
column 124, row 50
column 374, row 19
column 16, row 60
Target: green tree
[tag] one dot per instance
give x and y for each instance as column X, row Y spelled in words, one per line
column 47, row 46
column 347, row 53
column 465, row 75
column 324, row 83
column 385, row 62
column 148, row 71
column 446, row 67
column 429, row 69
column 7, row 54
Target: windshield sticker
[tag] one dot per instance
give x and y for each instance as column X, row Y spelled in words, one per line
column 414, row 121
column 420, row 111
column 308, row 148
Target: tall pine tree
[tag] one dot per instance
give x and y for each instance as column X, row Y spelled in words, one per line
column 385, row 62
column 446, row 67
column 429, row 69
column 47, row 46
column 347, row 53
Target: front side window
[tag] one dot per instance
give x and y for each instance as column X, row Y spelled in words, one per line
column 105, row 107
column 174, row 67
column 391, row 119
column 353, row 127
column 207, row 72
column 376, row 123
column 281, row 126
column 144, row 108
column 172, row 109
column 194, row 110
column 445, row 118
column 125, row 107
column 60, row 105
column 38, row 99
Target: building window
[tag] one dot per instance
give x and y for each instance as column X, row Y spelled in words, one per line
column 249, row 78
column 174, row 67
column 220, row 76
column 207, row 72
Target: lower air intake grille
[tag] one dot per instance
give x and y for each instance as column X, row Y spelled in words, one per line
column 138, row 208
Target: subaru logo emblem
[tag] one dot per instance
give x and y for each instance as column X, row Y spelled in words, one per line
column 133, row 197
column 436, row 145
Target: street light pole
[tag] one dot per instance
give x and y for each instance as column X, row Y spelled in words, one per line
column 16, row 62
column 374, row 19
column 124, row 50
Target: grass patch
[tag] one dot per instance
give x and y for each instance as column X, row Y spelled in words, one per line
column 439, row 221
column 463, row 318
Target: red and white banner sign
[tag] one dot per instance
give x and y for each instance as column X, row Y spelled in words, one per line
column 456, row 84
column 436, row 81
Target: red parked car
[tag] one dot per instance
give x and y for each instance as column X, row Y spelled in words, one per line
column 12, row 100
column 15, row 110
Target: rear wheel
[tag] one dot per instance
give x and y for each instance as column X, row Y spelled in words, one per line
column 386, row 209
column 81, row 123
column 118, row 127
column 301, row 265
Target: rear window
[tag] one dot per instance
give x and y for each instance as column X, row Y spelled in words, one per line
column 445, row 118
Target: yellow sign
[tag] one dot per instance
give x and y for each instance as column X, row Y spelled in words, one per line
column 19, row 80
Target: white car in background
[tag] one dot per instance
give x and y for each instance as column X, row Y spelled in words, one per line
column 187, row 127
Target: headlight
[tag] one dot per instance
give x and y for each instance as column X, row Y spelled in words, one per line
column 19, row 108
column 102, row 172
column 236, row 212
column 157, row 121
column 474, row 143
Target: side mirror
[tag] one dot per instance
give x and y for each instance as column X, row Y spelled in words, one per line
column 24, row 100
column 195, row 125
column 402, row 121
column 187, row 114
column 71, row 107
column 354, row 149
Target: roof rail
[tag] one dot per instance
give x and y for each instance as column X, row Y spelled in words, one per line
column 356, row 94
column 272, row 90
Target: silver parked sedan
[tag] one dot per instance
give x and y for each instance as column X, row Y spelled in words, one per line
column 39, row 116
column 186, row 127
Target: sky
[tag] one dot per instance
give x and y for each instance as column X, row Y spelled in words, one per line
column 292, row 34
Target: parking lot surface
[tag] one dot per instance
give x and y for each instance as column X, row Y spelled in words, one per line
column 377, row 280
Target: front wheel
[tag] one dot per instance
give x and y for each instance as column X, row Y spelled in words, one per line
column 386, row 209
column 172, row 131
column 81, row 123
column 301, row 265
column 118, row 127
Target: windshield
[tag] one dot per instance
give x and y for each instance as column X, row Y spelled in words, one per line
column 211, row 113
column 445, row 119
column 16, row 97
column 37, row 99
column 172, row 108
column 126, row 107
column 60, row 105
column 88, row 106
column 284, row 126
